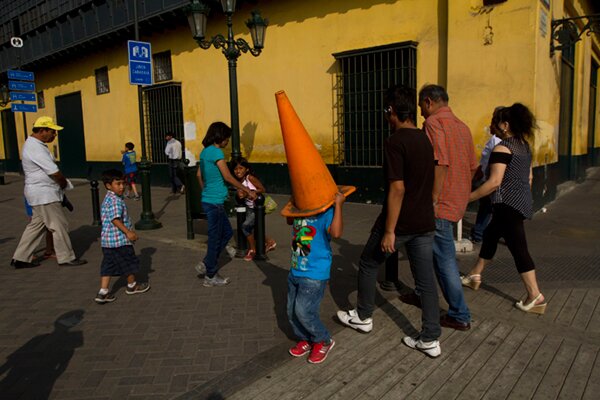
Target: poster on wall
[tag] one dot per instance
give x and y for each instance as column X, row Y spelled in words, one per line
column 546, row 3
column 543, row 22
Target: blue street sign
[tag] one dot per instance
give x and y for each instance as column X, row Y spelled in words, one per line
column 20, row 75
column 22, row 86
column 139, row 51
column 140, row 73
column 24, row 107
column 140, row 63
column 14, row 96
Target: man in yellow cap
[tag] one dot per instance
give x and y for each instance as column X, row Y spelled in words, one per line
column 44, row 186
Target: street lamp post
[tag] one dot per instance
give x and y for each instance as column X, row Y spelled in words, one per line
column 147, row 220
column 197, row 13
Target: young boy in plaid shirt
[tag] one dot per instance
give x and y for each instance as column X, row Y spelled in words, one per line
column 117, row 239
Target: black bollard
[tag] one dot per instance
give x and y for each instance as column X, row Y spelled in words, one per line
column 147, row 220
column 240, row 216
column 391, row 282
column 95, row 203
column 259, row 227
column 188, row 199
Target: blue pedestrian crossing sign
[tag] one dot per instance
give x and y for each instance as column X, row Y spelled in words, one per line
column 15, row 107
column 140, row 62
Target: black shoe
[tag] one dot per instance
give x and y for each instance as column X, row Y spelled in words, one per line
column 73, row 263
column 449, row 322
column 138, row 288
column 22, row 264
column 104, row 298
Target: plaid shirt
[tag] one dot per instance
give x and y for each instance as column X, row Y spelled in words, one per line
column 114, row 207
column 452, row 147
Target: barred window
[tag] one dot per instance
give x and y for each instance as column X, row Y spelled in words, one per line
column 102, row 80
column 40, row 100
column 162, row 67
column 362, row 80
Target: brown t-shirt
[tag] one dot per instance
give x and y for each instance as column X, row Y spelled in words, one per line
column 409, row 158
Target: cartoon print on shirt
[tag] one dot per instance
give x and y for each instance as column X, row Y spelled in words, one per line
column 303, row 235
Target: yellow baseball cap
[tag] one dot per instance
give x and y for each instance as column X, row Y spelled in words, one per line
column 46, row 122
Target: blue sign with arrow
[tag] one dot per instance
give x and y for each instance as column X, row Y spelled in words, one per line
column 22, row 86
column 20, row 75
column 23, row 96
column 24, row 107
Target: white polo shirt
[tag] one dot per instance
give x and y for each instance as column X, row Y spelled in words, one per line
column 38, row 163
column 173, row 149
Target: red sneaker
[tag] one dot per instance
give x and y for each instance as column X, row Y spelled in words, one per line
column 249, row 255
column 319, row 352
column 300, row 349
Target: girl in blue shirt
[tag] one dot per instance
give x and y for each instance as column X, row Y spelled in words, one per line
column 212, row 175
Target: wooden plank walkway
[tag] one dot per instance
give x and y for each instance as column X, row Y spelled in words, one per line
column 506, row 355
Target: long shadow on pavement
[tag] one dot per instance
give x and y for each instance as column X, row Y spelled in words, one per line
column 32, row 370
column 83, row 237
column 274, row 276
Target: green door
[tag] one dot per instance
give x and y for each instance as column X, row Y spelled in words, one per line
column 11, row 146
column 71, row 140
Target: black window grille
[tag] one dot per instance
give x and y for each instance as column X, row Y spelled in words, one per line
column 163, row 70
column 363, row 77
column 40, row 99
column 102, row 80
column 163, row 112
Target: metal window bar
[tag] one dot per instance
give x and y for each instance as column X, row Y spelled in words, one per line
column 163, row 112
column 362, row 80
column 102, row 85
column 163, row 70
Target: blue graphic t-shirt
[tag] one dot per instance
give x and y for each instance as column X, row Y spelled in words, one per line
column 215, row 191
column 311, row 251
column 129, row 164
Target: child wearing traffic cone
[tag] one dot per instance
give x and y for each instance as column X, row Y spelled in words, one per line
column 315, row 213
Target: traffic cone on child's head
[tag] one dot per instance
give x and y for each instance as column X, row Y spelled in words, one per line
column 313, row 188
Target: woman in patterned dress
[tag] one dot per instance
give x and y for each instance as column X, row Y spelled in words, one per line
column 509, row 184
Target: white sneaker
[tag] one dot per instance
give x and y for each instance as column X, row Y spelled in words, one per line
column 216, row 280
column 231, row 251
column 200, row 268
column 432, row 349
column 350, row 318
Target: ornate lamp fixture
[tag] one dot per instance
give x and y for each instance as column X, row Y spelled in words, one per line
column 566, row 32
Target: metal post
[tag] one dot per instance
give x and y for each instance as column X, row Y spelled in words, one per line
column 240, row 216
column 95, row 203
column 188, row 201
column 147, row 220
column 391, row 282
column 232, row 53
column 259, row 228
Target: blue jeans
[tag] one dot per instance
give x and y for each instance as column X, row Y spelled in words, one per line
column 484, row 216
column 446, row 268
column 420, row 255
column 219, row 234
column 303, row 304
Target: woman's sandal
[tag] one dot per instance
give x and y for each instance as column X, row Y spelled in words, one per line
column 249, row 255
column 532, row 307
column 270, row 246
column 471, row 281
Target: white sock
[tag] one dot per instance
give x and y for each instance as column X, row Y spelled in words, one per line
column 103, row 291
column 131, row 285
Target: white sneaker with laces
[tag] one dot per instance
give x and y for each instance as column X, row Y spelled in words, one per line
column 350, row 318
column 216, row 280
column 431, row 349
column 231, row 251
column 200, row 268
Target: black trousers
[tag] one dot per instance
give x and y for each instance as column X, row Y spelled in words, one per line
column 175, row 181
column 507, row 223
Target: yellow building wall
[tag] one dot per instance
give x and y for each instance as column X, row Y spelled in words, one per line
column 297, row 58
column 491, row 60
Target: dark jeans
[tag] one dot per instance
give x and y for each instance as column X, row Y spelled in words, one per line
column 175, row 181
column 303, row 304
column 507, row 223
column 419, row 249
column 219, row 234
column 484, row 215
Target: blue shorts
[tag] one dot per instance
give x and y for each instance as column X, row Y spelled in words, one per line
column 119, row 261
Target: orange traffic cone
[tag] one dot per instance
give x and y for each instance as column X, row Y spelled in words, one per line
column 313, row 188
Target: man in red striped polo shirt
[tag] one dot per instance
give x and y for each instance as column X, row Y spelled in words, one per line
column 454, row 155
